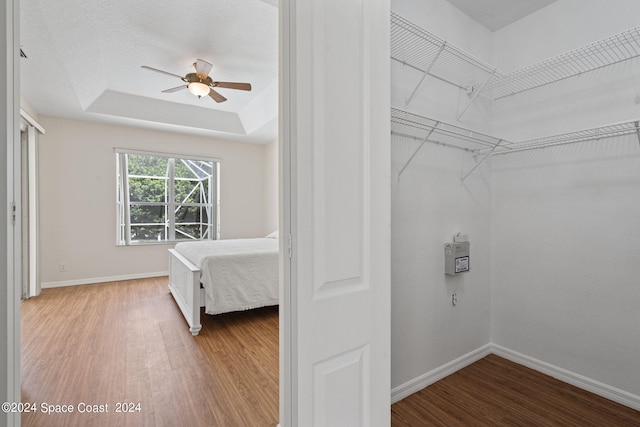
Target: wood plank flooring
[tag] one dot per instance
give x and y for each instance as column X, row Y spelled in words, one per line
column 497, row 392
column 128, row 342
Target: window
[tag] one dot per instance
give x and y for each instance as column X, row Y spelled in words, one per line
column 165, row 198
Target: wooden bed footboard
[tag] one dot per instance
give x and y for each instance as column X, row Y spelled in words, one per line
column 184, row 284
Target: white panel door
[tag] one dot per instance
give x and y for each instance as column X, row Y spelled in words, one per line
column 335, row 90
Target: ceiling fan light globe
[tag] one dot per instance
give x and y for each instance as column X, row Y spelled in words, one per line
column 199, row 89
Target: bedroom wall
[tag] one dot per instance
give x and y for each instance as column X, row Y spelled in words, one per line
column 77, row 197
column 430, row 204
column 565, row 220
column 271, row 191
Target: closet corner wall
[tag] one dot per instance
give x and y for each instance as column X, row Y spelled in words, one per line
column 431, row 203
column 559, row 143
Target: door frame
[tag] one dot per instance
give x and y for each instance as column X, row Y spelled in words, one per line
column 9, row 242
column 11, row 323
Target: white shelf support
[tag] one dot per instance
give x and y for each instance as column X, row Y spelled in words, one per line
column 486, row 156
column 426, row 73
column 417, row 150
column 475, row 95
column 637, row 123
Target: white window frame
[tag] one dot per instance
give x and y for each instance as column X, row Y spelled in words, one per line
column 123, row 225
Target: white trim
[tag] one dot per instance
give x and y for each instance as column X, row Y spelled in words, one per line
column 580, row 381
column 288, row 344
column 94, row 280
column 10, row 249
column 118, row 150
column 29, row 119
column 424, row 380
column 608, row 392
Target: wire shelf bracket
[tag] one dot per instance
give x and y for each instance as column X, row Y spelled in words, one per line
column 486, row 156
column 426, row 138
column 425, row 74
column 475, row 95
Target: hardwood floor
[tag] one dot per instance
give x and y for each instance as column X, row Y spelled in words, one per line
column 497, row 392
column 127, row 342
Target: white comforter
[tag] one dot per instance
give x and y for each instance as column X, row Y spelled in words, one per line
column 238, row 274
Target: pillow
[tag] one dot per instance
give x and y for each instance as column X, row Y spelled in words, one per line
column 273, row 235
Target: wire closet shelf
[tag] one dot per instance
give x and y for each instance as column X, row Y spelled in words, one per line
column 592, row 134
column 419, row 49
column 433, row 56
column 425, row 129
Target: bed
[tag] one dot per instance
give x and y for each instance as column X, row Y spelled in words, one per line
column 223, row 276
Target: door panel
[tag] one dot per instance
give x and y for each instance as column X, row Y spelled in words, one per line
column 335, row 89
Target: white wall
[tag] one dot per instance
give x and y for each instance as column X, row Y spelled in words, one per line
column 554, row 233
column 271, row 187
column 429, row 205
column 77, row 196
column 565, row 220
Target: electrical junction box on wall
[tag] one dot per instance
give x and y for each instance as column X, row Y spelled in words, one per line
column 456, row 257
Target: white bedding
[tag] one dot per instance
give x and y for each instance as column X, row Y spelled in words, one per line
column 238, row 274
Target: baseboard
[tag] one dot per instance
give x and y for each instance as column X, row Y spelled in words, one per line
column 94, row 280
column 417, row 384
column 588, row 384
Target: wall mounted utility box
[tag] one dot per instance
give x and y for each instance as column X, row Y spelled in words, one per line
column 456, row 258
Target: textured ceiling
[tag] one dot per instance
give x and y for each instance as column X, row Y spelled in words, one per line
column 84, row 61
column 495, row 14
column 85, row 56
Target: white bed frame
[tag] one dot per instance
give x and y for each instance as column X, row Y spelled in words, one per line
column 184, row 284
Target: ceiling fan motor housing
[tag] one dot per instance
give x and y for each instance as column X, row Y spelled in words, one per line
column 194, row 77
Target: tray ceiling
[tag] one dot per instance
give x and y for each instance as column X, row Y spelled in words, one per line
column 495, row 14
column 84, row 62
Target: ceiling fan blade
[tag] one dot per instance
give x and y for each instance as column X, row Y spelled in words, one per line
column 202, row 67
column 216, row 96
column 232, row 85
column 175, row 89
column 163, row 72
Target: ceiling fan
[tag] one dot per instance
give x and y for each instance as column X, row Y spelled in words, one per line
column 200, row 83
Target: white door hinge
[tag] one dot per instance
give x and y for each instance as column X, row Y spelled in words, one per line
column 13, row 213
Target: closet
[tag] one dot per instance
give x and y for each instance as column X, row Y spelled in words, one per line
column 541, row 168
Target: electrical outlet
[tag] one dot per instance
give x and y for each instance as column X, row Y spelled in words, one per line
column 454, row 299
column 63, row 267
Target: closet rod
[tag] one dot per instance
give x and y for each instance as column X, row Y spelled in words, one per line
column 433, row 141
